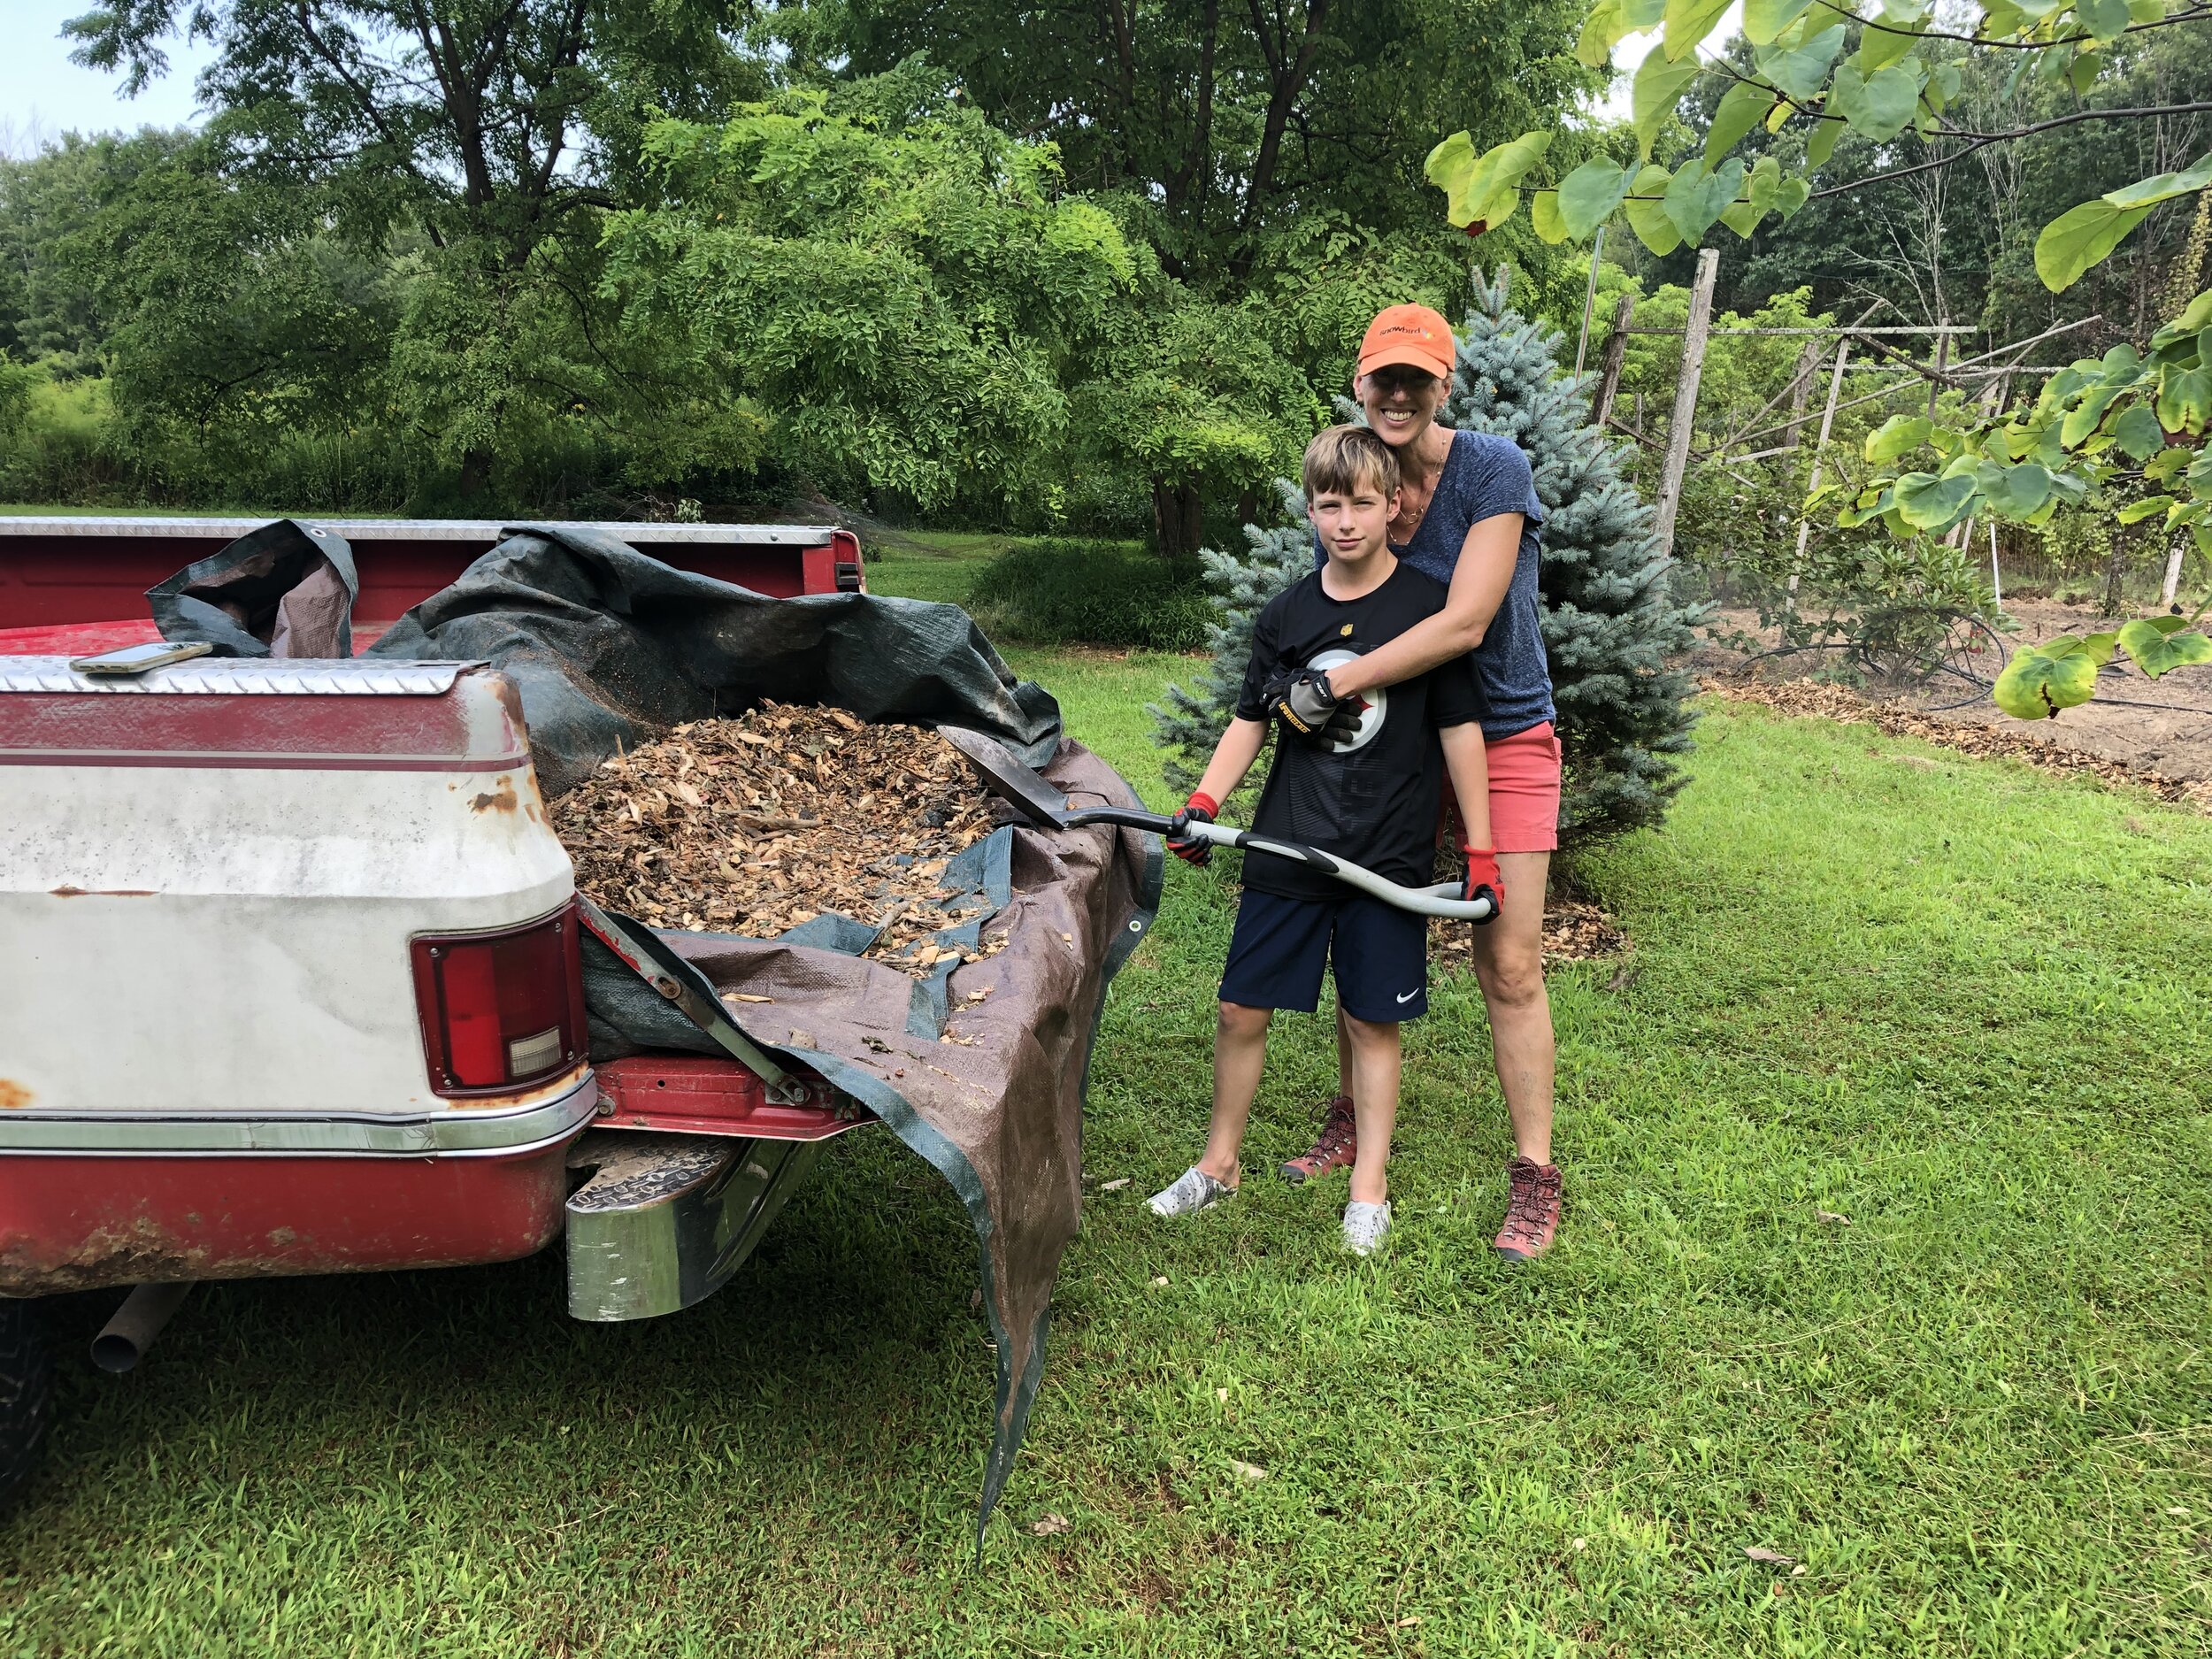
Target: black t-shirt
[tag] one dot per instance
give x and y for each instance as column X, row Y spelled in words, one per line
column 1373, row 800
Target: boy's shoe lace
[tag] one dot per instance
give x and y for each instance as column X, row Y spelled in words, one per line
column 1193, row 1190
column 1531, row 1210
column 1336, row 1148
column 1365, row 1227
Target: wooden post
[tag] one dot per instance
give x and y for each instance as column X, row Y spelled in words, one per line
column 1942, row 361
column 1589, row 301
column 1996, row 576
column 2172, row 584
column 1801, row 392
column 1827, row 422
column 1615, row 352
column 1694, row 336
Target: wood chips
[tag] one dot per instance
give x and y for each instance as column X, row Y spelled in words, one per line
column 754, row 824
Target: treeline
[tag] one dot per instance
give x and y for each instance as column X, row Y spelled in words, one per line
column 1041, row 268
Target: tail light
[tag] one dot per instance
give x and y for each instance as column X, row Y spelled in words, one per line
column 501, row 1010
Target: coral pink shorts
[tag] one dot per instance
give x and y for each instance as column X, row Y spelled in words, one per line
column 1524, row 791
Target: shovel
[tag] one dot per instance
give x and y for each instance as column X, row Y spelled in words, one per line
column 1047, row 808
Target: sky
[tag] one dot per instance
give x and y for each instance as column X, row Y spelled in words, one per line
column 42, row 95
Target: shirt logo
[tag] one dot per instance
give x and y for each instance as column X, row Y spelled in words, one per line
column 1345, row 632
column 1409, row 996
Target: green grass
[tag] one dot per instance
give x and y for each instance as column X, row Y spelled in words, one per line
column 1955, row 1001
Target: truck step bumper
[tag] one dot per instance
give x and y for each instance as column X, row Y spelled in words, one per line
column 665, row 1220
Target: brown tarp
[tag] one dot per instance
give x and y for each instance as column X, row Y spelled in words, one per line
column 607, row 646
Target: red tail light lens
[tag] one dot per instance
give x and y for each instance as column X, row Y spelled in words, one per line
column 501, row 1010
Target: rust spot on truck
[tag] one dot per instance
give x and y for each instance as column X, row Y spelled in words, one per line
column 12, row 1094
column 500, row 798
column 102, row 893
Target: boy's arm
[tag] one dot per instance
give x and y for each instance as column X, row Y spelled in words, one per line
column 1233, row 755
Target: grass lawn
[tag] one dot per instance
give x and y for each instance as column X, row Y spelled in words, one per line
column 1955, row 1001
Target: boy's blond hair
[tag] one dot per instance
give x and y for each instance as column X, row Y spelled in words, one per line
column 1341, row 458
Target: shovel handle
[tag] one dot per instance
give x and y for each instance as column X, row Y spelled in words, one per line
column 1433, row 901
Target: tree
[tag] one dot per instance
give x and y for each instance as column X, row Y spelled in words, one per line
column 904, row 295
column 1224, row 122
column 1608, row 615
column 1906, row 74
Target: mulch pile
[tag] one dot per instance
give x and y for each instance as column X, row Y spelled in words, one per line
column 754, row 824
column 1575, row 930
column 1834, row 703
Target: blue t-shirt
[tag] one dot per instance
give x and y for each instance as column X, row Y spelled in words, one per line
column 1485, row 475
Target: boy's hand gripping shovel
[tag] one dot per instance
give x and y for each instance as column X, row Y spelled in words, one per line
column 1048, row 809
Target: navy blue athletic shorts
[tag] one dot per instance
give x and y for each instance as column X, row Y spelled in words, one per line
column 1281, row 945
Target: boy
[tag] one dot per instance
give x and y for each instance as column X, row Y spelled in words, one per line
column 1369, row 793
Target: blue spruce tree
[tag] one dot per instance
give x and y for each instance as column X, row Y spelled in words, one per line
column 1610, row 619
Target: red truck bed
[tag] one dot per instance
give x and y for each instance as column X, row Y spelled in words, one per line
column 67, row 584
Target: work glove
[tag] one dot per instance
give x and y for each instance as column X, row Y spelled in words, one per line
column 1200, row 808
column 1313, row 713
column 1483, row 878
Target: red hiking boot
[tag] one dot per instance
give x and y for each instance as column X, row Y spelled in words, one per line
column 1336, row 1149
column 1531, row 1210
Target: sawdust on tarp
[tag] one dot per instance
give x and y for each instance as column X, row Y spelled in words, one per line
column 1835, row 703
column 756, row 823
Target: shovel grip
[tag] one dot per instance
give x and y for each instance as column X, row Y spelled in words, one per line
column 1435, row 901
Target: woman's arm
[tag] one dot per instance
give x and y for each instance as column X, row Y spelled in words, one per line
column 1485, row 572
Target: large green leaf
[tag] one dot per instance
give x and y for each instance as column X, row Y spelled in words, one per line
column 2137, row 432
column 1880, row 47
column 1612, row 21
column 1791, row 194
column 1589, row 194
column 1928, row 502
column 1688, row 22
column 1737, row 112
column 1802, row 72
column 2080, row 237
column 1879, row 106
column 1820, row 143
column 1646, row 213
column 2149, row 507
column 2162, row 644
column 1764, row 19
column 1694, row 198
column 1658, row 87
column 2017, row 491
column 2194, row 319
column 2105, row 20
column 1898, row 436
column 1543, row 215
column 2060, row 674
column 2162, row 186
column 1476, row 186
column 2184, row 399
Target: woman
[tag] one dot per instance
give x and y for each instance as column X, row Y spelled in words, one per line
column 1467, row 516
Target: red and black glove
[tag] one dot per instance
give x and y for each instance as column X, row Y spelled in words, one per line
column 1200, row 808
column 1482, row 878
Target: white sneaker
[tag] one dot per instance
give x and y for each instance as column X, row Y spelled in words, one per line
column 1365, row 1227
column 1193, row 1190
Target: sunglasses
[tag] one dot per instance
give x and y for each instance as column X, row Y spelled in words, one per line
column 1398, row 377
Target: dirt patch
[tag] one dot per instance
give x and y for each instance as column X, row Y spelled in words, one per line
column 1834, row 703
column 2173, row 738
column 756, row 824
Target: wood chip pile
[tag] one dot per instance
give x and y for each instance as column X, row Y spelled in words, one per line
column 754, row 824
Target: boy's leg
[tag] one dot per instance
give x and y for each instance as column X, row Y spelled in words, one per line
column 1375, row 1066
column 1240, row 1055
column 1381, row 957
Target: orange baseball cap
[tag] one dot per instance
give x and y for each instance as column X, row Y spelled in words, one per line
column 1411, row 334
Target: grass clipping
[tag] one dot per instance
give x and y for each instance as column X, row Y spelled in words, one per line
column 756, row 824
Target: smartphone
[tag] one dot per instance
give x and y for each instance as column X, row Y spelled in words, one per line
column 136, row 659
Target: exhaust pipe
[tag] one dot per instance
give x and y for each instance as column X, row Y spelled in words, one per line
column 124, row 1340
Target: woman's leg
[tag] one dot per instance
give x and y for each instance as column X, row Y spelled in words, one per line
column 1509, row 966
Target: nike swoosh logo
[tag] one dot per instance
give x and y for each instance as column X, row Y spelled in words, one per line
column 1409, row 996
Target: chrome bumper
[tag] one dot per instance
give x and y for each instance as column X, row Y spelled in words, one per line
column 666, row 1219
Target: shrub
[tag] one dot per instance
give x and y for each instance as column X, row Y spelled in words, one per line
column 1059, row 591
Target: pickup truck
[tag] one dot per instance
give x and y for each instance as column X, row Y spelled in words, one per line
column 291, row 976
